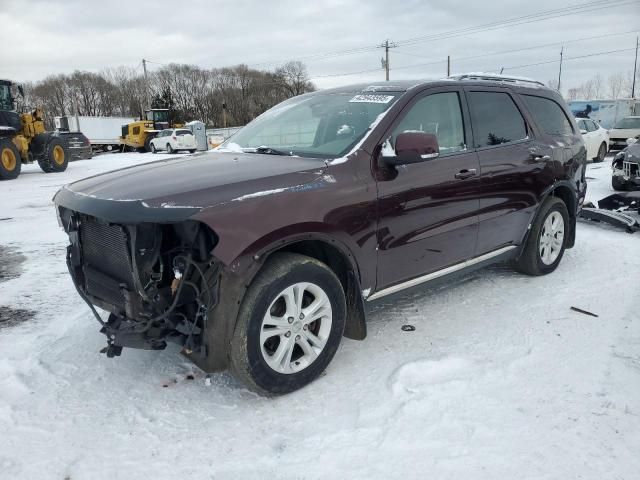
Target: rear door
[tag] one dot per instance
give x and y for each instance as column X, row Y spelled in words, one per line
column 185, row 138
column 513, row 164
column 428, row 211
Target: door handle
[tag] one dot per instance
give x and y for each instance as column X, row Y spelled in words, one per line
column 462, row 174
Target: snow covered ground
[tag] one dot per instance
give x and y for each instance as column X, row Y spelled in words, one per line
column 499, row 380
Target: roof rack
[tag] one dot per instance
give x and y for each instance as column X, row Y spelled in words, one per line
column 495, row 78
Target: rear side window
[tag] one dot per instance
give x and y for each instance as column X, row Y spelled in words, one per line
column 495, row 119
column 183, row 132
column 439, row 114
column 550, row 116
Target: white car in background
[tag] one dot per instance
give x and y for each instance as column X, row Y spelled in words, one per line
column 628, row 127
column 596, row 138
column 173, row 140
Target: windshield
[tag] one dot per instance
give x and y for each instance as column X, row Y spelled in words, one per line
column 319, row 125
column 6, row 102
column 629, row 122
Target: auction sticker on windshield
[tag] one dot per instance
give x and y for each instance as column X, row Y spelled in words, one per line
column 371, row 99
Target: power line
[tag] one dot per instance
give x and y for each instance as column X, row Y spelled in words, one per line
column 525, row 19
column 513, row 67
column 530, row 18
column 533, row 47
column 475, row 57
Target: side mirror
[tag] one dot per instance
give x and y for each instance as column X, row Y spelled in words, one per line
column 413, row 147
column 583, row 131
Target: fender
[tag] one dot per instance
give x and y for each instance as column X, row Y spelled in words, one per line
column 238, row 275
column 573, row 213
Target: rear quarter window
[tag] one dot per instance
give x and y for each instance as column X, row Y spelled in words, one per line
column 549, row 116
column 183, row 132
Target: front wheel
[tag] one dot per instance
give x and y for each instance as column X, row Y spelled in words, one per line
column 289, row 326
column 10, row 162
column 153, row 148
column 546, row 242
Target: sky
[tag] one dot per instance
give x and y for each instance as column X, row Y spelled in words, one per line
column 40, row 38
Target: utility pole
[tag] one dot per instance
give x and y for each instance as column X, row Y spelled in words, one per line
column 560, row 70
column 385, row 61
column 635, row 69
column 448, row 66
column 146, row 83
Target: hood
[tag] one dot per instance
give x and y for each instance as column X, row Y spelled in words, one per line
column 176, row 188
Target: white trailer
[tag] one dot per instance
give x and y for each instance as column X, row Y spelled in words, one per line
column 103, row 132
column 606, row 112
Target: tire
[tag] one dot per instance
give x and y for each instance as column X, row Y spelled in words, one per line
column 55, row 158
column 147, row 143
column 532, row 260
column 10, row 161
column 250, row 350
column 618, row 183
column 192, row 150
column 602, row 152
column 170, row 149
column 153, row 149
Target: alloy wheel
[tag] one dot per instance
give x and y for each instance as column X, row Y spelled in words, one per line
column 551, row 238
column 295, row 328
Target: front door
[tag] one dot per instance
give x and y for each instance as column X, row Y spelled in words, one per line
column 428, row 211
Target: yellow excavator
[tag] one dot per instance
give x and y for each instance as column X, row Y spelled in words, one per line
column 137, row 135
column 23, row 138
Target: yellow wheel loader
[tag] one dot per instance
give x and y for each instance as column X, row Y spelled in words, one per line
column 23, row 138
column 137, row 135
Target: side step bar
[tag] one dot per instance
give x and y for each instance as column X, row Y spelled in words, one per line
column 439, row 273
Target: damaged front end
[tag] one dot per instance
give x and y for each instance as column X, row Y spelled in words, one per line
column 157, row 281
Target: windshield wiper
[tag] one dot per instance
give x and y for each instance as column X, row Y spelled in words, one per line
column 272, row 151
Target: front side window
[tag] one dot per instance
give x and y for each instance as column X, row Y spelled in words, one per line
column 591, row 126
column 324, row 125
column 582, row 125
column 550, row 117
column 495, row 119
column 439, row 114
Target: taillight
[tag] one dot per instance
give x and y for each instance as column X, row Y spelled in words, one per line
column 175, row 138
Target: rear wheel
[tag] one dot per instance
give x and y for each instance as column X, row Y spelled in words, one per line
column 602, row 152
column 193, row 150
column 289, row 326
column 169, row 148
column 10, row 162
column 546, row 242
column 55, row 158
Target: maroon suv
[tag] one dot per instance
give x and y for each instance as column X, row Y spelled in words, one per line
column 261, row 255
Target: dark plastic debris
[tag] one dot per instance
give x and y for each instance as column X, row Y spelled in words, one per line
column 585, row 312
column 408, row 328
